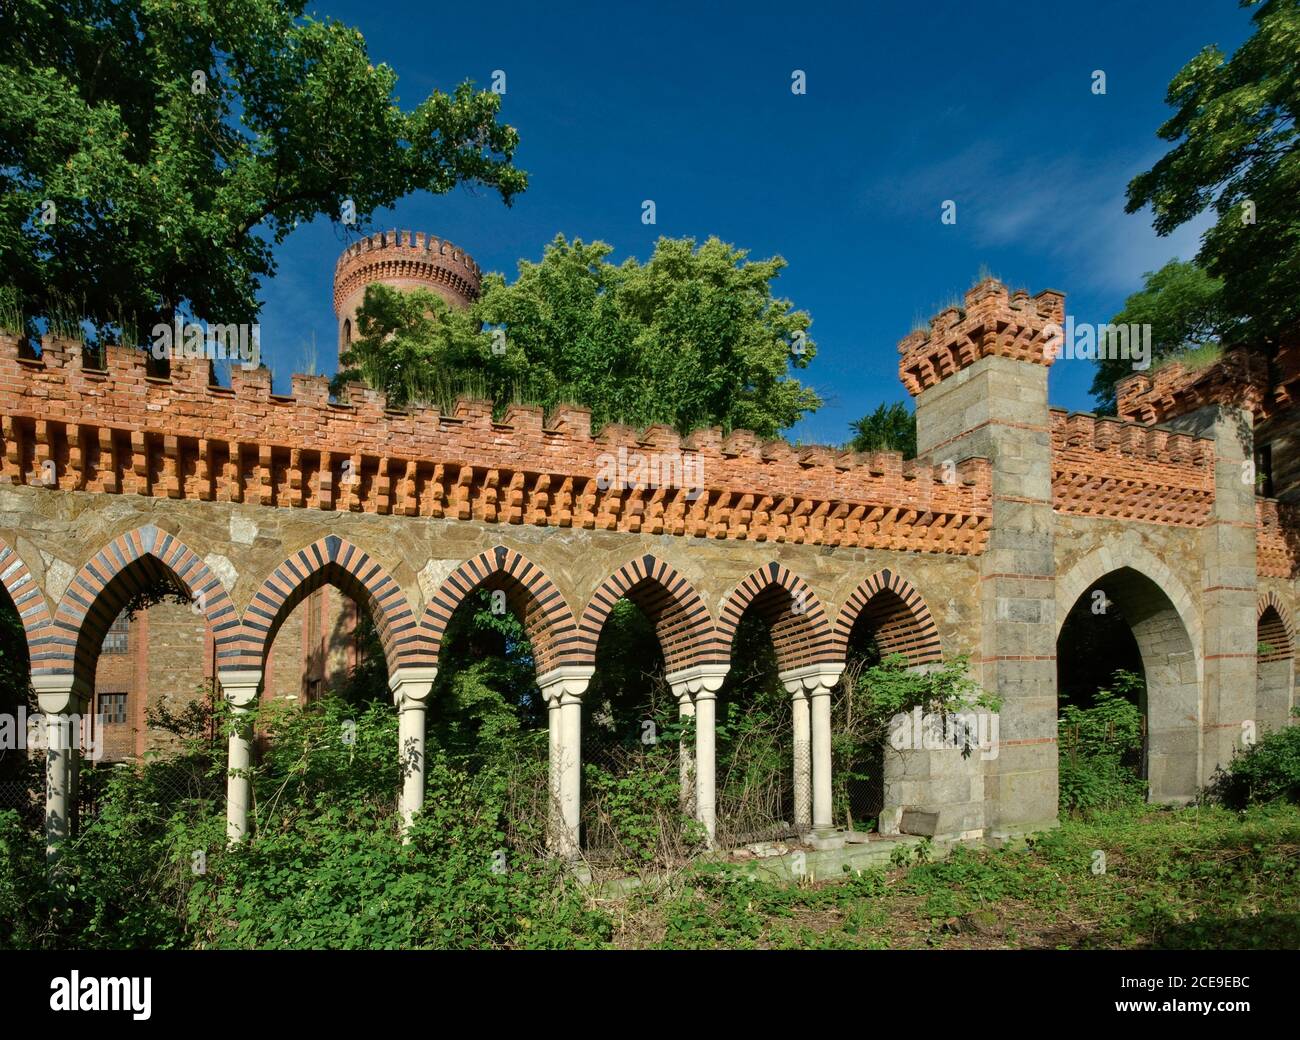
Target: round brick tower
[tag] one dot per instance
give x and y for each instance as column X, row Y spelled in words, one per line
column 404, row 260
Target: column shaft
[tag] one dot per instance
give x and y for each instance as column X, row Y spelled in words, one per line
column 570, row 773
column 239, row 780
column 821, row 755
column 59, row 753
column 411, row 756
column 686, row 758
column 706, row 805
column 802, row 761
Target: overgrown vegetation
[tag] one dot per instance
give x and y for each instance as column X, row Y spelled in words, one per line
column 1191, row 878
column 1100, row 748
column 1267, row 770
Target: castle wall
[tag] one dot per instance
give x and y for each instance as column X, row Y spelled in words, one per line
column 1011, row 513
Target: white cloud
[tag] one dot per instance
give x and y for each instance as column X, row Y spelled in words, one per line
column 1066, row 206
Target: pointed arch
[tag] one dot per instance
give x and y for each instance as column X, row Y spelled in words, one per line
column 899, row 617
column 680, row 617
column 331, row 560
column 1276, row 628
column 531, row 595
column 1165, row 626
column 1122, row 555
column 131, row 563
column 799, row 636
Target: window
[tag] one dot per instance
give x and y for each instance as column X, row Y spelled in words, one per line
column 113, row 707
column 115, row 640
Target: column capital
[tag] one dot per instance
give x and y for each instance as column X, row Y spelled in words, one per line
column 60, row 693
column 700, row 681
column 240, row 685
column 813, row 680
column 566, row 683
column 411, row 686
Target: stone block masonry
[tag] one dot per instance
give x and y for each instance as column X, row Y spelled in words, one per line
column 252, row 503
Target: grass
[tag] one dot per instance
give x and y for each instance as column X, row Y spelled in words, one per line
column 1192, row 360
column 1195, row 878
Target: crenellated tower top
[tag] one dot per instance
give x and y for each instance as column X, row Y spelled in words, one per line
column 992, row 322
column 404, row 260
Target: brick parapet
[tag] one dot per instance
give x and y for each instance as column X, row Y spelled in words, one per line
column 1102, row 466
column 396, row 256
column 993, row 322
column 122, row 431
column 1277, row 540
column 1242, row 378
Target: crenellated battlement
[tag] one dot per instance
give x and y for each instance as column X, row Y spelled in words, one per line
column 992, row 322
column 1103, row 466
column 404, row 257
column 121, row 431
column 1240, row 377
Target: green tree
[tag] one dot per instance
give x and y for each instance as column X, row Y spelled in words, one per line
column 693, row 337
column 1184, row 306
column 152, row 152
column 1236, row 151
column 891, row 427
column 417, row 349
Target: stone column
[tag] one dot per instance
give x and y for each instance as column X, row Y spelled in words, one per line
column 802, row 720
column 410, row 688
column 240, row 687
column 686, row 756
column 699, row 685
column 810, row 691
column 63, row 701
column 563, row 688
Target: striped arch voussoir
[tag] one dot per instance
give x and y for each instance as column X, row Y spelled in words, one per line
column 128, row 564
column 546, row 616
column 900, row 619
column 330, row 560
column 28, row 599
column 801, row 634
column 1277, row 630
column 681, row 618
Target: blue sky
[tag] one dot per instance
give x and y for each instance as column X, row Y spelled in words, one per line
column 988, row 104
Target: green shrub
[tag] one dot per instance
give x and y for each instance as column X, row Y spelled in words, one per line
column 1264, row 772
column 325, row 866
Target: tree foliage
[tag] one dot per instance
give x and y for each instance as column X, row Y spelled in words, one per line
column 693, row 337
column 180, row 140
column 1184, row 306
column 891, row 427
column 1235, row 151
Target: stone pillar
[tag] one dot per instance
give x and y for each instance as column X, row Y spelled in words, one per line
column 1228, row 588
column 240, row 687
column 686, row 757
column 810, row 689
column 410, row 688
column 802, row 721
column 63, row 700
column 992, row 404
column 563, row 688
column 700, row 684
